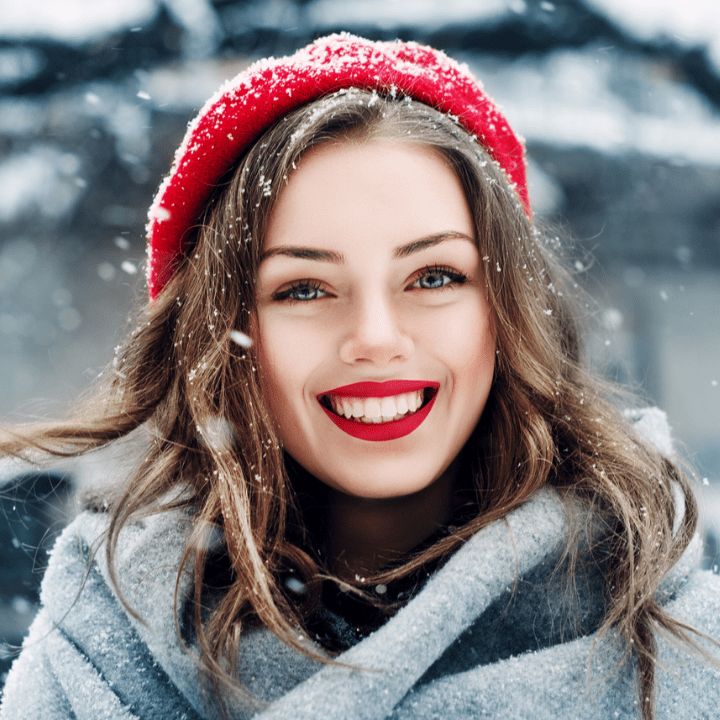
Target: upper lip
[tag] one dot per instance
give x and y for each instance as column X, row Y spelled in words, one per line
column 368, row 388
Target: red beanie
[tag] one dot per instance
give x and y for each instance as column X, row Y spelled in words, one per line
column 269, row 89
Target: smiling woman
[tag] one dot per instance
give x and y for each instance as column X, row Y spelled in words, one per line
column 380, row 331
column 378, row 480
column 394, row 219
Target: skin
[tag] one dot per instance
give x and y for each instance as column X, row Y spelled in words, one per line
column 370, row 272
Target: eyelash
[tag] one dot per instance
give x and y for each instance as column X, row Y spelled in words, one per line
column 456, row 278
column 286, row 294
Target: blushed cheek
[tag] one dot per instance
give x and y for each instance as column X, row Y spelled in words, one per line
column 282, row 377
column 467, row 340
column 269, row 370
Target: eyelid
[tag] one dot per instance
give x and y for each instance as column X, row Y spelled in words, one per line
column 283, row 294
column 458, row 277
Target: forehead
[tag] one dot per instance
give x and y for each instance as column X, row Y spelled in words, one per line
column 364, row 191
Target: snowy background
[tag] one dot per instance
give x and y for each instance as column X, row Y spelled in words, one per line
column 619, row 101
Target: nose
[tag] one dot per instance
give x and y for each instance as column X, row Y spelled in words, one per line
column 375, row 335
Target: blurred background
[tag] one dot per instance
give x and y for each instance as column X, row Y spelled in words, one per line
column 619, row 102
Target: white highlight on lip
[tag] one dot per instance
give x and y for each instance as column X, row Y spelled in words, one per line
column 377, row 410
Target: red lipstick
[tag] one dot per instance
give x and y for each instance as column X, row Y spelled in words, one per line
column 376, row 432
column 380, row 389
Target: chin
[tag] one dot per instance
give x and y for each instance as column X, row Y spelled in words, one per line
column 374, row 484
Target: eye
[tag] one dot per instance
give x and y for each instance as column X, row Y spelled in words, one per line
column 437, row 277
column 301, row 291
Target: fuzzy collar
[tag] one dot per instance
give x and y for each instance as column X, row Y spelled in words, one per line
column 466, row 646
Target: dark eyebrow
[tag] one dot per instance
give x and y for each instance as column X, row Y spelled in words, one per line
column 428, row 242
column 308, row 253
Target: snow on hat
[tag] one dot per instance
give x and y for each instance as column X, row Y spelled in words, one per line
column 269, row 89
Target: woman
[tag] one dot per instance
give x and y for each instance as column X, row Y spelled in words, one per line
column 378, row 481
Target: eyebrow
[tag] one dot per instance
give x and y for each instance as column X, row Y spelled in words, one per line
column 403, row 251
column 304, row 253
column 428, row 242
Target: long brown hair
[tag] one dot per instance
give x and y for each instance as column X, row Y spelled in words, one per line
column 214, row 449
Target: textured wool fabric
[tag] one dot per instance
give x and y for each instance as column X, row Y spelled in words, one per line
column 486, row 637
column 266, row 91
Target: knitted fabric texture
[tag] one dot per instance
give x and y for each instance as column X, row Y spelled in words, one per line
column 485, row 638
column 269, row 89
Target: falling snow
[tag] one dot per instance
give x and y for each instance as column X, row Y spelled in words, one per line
column 567, row 99
column 241, row 338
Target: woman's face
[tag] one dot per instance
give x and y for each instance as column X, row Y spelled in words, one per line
column 374, row 337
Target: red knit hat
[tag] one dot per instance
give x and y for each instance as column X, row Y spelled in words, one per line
column 269, row 89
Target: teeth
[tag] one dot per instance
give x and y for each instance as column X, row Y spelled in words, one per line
column 377, row 410
column 414, row 401
column 388, row 408
column 402, row 404
column 372, row 408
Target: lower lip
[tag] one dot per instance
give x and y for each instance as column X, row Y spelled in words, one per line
column 381, row 431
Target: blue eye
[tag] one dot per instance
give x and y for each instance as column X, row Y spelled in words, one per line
column 303, row 291
column 435, row 278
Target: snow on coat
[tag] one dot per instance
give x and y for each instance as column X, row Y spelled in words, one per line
column 485, row 638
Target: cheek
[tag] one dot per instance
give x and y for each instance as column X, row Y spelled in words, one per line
column 286, row 359
column 465, row 340
column 275, row 371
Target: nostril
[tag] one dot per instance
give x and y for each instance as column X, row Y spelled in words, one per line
column 362, row 348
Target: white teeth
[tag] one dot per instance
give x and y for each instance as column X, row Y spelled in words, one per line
column 413, row 401
column 377, row 410
column 387, row 408
column 402, row 404
column 372, row 408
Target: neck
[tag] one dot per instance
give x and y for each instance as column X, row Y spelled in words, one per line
column 367, row 533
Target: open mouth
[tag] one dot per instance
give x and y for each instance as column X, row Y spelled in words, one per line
column 378, row 410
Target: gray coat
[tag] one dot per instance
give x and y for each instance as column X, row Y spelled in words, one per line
column 474, row 643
